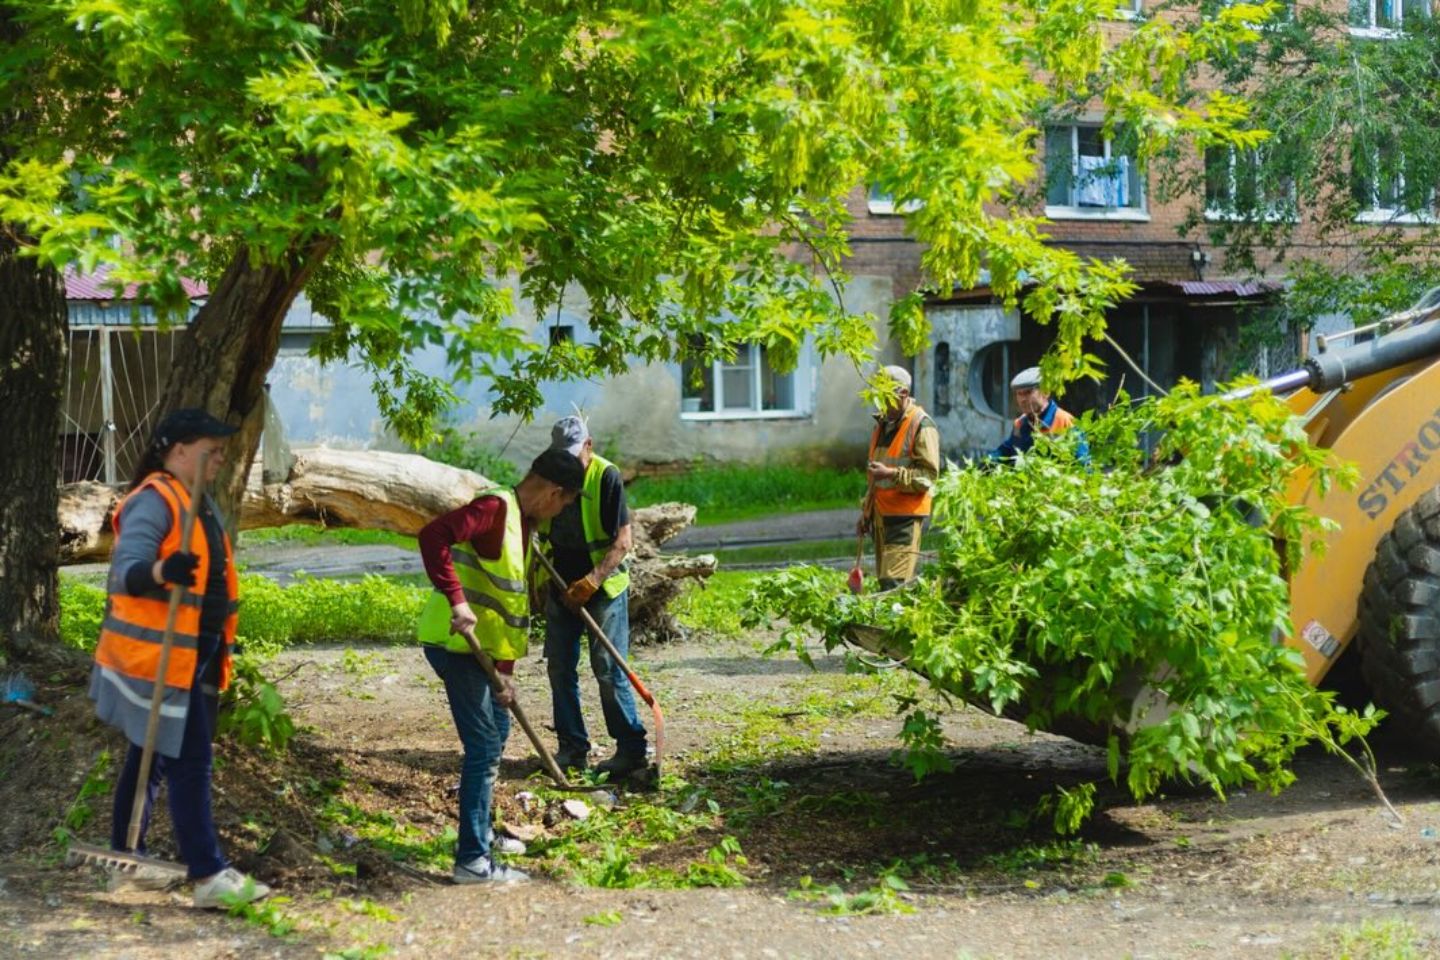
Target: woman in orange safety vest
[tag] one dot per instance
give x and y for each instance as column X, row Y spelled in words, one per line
column 147, row 561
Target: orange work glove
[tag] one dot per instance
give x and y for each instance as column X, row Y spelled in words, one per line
column 580, row 592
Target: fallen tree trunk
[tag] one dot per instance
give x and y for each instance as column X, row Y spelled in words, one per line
column 374, row 490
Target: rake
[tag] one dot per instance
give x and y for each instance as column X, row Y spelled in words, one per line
column 488, row 665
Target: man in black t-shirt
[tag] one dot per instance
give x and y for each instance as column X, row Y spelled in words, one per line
column 589, row 543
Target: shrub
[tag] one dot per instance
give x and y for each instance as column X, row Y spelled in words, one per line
column 370, row 609
column 82, row 609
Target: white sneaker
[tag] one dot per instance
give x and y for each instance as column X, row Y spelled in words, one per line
column 486, row 870
column 227, row 888
column 510, row 846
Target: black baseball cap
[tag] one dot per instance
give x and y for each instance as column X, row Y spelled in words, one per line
column 184, row 426
column 560, row 467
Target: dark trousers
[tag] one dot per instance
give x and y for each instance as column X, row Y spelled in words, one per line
column 563, row 632
column 187, row 780
column 483, row 726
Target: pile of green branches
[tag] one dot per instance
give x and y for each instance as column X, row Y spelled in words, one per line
column 1061, row 586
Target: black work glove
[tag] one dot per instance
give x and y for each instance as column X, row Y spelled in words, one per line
column 179, row 568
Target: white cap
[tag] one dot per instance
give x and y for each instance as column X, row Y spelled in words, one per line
column 1026, row 379
column 899, row 374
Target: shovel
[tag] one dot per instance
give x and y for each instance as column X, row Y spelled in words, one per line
column 599, row 634
column 857, row 575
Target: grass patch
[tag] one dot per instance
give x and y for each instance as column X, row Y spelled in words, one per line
column 310, row 535
column 1373, row 940
column 762, row 731
column 729, row 492
column 609, row 848
column 714, row 606
column 370, row 609
column 804, row 551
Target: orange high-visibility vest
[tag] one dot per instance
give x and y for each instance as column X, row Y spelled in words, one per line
column 1062, row 421
column 134, row 627
column 890, row 502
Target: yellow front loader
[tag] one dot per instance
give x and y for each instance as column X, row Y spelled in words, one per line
column 1376, row 404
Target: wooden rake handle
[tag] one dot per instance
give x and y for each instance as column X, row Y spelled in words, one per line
column 157, row 696
column 488, row 665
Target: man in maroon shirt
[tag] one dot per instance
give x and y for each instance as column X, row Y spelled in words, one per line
column 555, row 480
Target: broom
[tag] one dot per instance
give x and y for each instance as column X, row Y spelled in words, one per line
column 129, row 861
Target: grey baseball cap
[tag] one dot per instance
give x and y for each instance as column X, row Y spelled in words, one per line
column 900, row 375
column 569, row 434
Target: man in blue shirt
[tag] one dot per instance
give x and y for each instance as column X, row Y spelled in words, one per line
column 1038, row 412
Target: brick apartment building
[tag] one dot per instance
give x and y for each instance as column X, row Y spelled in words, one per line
column 1189, row 318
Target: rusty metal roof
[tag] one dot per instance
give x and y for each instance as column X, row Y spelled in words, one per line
column 93, row 286
column 1234, row 288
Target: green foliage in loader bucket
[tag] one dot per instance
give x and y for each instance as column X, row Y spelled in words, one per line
column 1062, row 587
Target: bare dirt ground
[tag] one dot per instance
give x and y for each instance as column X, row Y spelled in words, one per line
column 795, row 764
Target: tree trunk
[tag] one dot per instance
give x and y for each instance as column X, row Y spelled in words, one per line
column 34, row 345
column 227, row 351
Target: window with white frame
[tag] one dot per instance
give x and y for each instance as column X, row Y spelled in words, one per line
column 1127, row 9
column 1385, row 17
column 881, row 201
column 1090, row 174
column 1381, row 188
column 1236, row 187
column 746, row 385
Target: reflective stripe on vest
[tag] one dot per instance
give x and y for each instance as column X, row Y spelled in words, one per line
column 134, row 627
column 890, row 502
column 596, row 540
column 495, row 590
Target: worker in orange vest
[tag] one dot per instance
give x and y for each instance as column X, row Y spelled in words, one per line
column 904, row 463
column 1039, row 413
column 147, row 561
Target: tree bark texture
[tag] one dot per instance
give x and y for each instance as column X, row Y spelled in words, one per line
column 228, row 349
column 34, row 345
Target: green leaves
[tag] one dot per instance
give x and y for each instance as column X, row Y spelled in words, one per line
column 1132, row 603
column 683, row 170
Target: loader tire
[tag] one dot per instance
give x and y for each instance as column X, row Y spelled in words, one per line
column 1399, row 635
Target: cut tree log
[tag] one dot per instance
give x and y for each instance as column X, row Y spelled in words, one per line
column 399, row 492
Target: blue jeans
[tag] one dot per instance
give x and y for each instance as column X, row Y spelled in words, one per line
column 483, row 726
column 188, row 779
column 563, row 630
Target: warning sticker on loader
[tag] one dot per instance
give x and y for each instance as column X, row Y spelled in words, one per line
column 1321, row 639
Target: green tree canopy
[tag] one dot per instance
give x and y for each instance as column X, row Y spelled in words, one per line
column 685, row 164
column 1340, row 197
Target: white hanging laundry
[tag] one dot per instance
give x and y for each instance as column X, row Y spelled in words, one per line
column 1103, row 182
